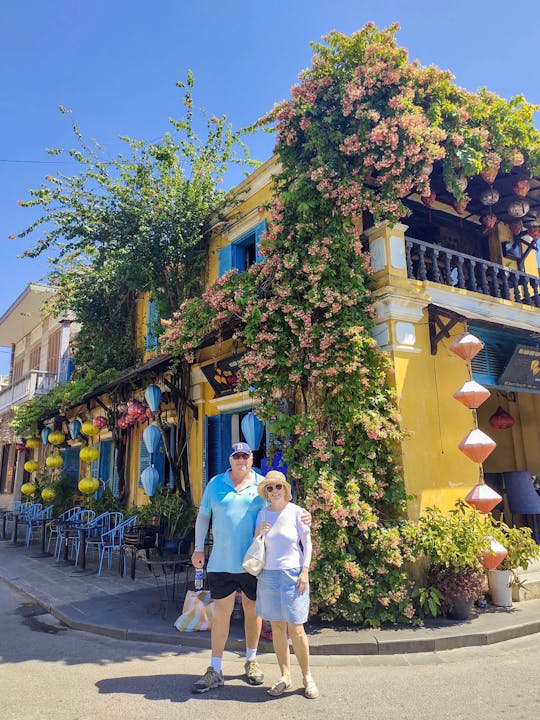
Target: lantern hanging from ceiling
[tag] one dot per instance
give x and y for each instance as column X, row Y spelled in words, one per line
column 89, row 454
column 56, row 437
column 253, row 430
column 150, row 480
column 517, row 157
column 48, row 494
column 152, row 395
column 45, row 435
column 518, row 208
column 494, row 554
column 31, row 466
column 489, row 221
column 489, row 196
column 472, row 394
column 522, row 187
column 88, row 428
column 516, row 226
column 460, row 206
column 501, row 420
column 20, row 447
column 151, row 437
column 466, row 346
column 28, row 488
column 54, row 461
column 100, row 422
column 483, row 498
column 477, row 446
column 88, row 485
column 74, row 429
column 33, row 443
column 491, row 168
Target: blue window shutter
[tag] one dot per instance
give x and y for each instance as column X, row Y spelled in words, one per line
column 115, row 477
column 144, row 458
column 105, row 461
column 94, row 468
column 218, row 444
column 259, row 231
column 238, row 257
column 151, row 320
column 225, row 260
column 70, row 468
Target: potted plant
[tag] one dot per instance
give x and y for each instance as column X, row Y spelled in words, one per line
column 504, row 582
column 452, row 544
column 179, row 518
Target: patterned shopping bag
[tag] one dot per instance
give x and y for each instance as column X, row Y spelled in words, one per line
column 197, row 612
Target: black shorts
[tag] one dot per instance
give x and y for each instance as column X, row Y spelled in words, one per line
column 222, row 584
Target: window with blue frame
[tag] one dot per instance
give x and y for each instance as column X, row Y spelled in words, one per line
column 489, row 364
column 242, row 252
column 152, row 318
column 70, row 468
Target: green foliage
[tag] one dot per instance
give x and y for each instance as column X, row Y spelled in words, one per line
column 107, row 502
column 25, row 421
column 137, row 222
column 519, row 542
column 180, row 515
column 429, row 600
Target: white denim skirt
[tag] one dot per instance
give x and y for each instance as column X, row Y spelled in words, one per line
column 278, row 597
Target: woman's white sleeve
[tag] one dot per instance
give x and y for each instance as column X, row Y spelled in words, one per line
column 304, row 533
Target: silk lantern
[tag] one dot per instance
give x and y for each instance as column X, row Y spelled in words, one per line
column 483, row 498
column 472, row 394
column 494, row 554
column 150, row 480
column 466, row 346
column 477, row 446
column 151, row 437
column 253, row 430
column 152, row 395
column 501, row 420
column 45, row 435
column 74, row 429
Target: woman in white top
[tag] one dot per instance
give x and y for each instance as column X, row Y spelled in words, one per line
column 283, row 586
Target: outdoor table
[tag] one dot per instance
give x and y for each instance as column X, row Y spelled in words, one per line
column 166, row 571
column 43, row 552
column 82, row 569
column 68, row 530
column 15, row 516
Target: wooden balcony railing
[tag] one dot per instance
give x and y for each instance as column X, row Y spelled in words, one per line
column 35, row 383
column 448, row 267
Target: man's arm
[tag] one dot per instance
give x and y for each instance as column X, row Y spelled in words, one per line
column 202, row 523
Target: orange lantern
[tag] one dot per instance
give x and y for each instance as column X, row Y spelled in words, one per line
column 483, row 498
column 494, row 554
column 472, row 394
column 477, row 446
column 466, row 346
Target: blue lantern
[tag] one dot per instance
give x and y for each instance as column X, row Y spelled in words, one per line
column 151, row 437
column 253, row 430
column 45, row 435
column 150, row 480
column 74, row 429
column 152, row 395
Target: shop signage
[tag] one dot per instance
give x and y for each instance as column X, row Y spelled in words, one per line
column 222, row 376
column 523, row 369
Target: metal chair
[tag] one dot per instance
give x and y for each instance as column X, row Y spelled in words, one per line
column 55, row 527
column 34, row 523
column 81, row 517
column 114, row 540
column 96, row 528
column 24, row 516
column 522, row 497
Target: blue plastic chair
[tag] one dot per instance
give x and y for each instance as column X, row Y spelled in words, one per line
column 55, row 527
column 34, row 523
column 114, row 541
column 98, row 527
column 81, row 517
column 523, row 498
column 27, row 513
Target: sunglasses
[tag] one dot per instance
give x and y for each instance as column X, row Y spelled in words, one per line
column 241, row 456
column 271, row 488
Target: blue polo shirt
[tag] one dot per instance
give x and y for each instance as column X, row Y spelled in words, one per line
column 234, row 513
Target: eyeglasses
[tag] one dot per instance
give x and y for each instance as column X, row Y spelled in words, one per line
column 271, row 488
column 241, row 456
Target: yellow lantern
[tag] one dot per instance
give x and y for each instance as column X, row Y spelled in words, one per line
column 54, row 461
column 48, row 494
column 89, row 453
column 28, row 488
column 88, row 428
column 33, row 443
column 88, row 485
column 31, row 466
column 56, row 437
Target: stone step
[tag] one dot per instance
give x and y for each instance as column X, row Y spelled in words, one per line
column 531, row 585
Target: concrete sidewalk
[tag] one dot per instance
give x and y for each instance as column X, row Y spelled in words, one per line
column 134, row 610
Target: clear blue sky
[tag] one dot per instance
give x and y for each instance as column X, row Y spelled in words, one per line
column 114, row 63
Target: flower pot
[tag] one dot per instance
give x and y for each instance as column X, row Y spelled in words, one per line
column 460, row 608
column 500, row 587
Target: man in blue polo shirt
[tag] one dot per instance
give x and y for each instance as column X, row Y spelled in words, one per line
column 232, row 501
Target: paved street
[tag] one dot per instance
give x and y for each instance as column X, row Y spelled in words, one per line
column 51, row 672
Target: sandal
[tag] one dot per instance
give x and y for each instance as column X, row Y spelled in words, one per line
column 279, row 687
column 311, row 691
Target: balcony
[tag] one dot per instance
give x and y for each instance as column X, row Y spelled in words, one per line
column 441, row 265
column 36, row 382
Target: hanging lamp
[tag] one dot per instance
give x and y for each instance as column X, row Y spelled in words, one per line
column 253, row 430
column 152, row 395
column 477, row 446
column 472, row 394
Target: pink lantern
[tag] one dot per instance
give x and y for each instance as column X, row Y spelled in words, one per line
column 494, row 554
column 516, row 226
column 518, row 208
column 483, row 498
column 100, row 421
column 489, row 221
column 489, row 196
column 522, row 187
column 477, row 446
column 466, row 346
column 472, row 394
column 501, row 420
